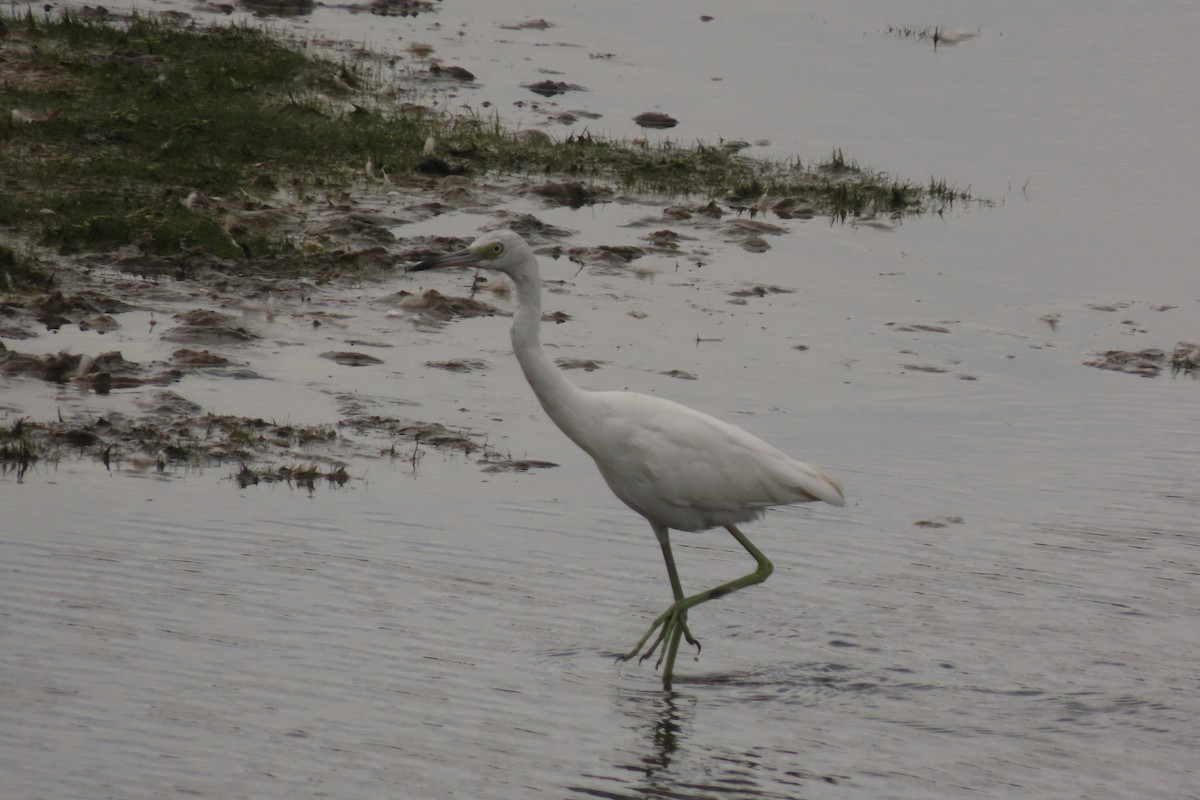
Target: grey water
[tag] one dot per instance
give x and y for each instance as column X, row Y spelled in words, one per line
column 1006, row 607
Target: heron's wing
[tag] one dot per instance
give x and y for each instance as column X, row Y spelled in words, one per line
column 693, row 460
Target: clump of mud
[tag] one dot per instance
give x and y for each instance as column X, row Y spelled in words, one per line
column 572, row 194
column 740, row 295
column 428, row 433
column 401, row 8
column 610, row 259
column 939, row 522
column 749, row 234
column 452, row 72
column 684, row 212
column 199, row 359
column 280, row 8
column 656, row 119
column 433, row 304
column 530, row 228
column 301, row 476
column 520, row 465
column 585, row 364
column 103, row 372
column 548, row 88
column 527, row 25
column 1151, row 362
column 204, row 326
column 460, row 365
column 89, row 309
column 352, row 358
column 1186, row 358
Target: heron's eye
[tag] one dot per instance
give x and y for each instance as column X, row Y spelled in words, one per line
column 497, row 249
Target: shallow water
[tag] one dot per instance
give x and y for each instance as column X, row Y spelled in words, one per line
column 1005, row 608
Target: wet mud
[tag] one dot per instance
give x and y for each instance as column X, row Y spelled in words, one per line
column 656, row 120
column 1150, row 362
column 227, row 320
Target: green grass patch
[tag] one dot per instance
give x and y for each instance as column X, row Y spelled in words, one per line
column 838, row 186
column 19, row 450
column 106, row 126
column 102, row 119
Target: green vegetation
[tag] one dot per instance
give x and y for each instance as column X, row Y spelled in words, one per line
column 837, row 186
column 157, row 440
column 111, row 127
column 18, row 449
column 300, row 476
column 110, row 131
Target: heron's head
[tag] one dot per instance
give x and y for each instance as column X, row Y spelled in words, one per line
column 502, row 251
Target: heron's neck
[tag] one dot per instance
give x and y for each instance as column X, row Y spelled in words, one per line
column 562, row 400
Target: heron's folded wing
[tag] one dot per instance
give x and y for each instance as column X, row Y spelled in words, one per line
column 695, row 460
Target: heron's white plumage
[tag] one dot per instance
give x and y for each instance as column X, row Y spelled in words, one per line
column 690, row 471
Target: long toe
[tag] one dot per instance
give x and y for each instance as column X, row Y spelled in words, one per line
column 663, row 637
column 637, row 648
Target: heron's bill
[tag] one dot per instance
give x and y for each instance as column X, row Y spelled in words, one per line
column 460, row 258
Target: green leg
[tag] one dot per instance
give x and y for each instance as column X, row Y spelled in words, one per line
column 672, row 623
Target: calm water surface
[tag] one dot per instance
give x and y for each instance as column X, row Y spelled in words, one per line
column 1006, row 607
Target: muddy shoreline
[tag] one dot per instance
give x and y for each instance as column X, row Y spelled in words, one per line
column 199, row 312
column 162, row 431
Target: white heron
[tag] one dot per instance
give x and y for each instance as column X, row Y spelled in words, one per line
column 675, row 466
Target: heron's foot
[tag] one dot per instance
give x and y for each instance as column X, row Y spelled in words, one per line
column 670, row 626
